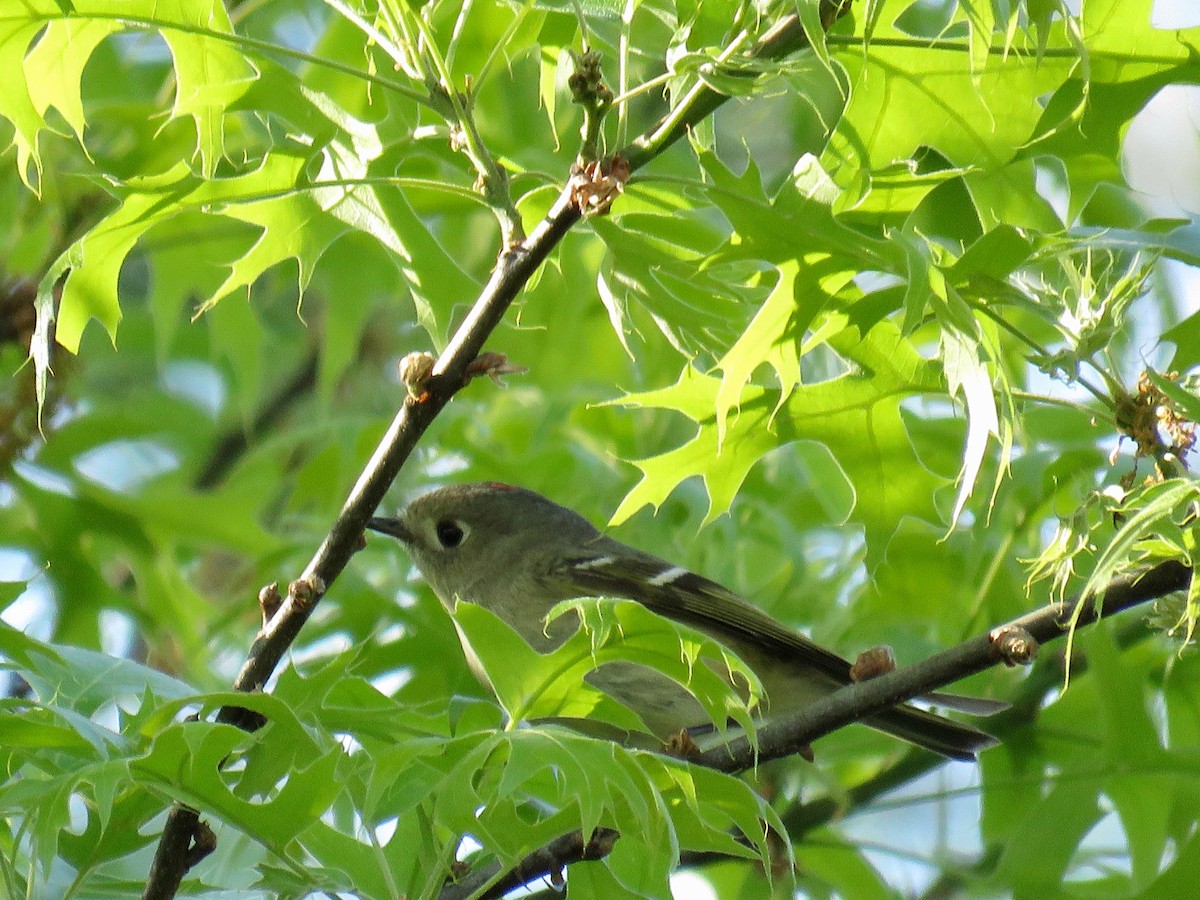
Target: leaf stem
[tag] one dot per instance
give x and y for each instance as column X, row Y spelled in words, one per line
column 860, row 42
column 1034, row 345
column 381, row 859
column 239, row 40
column 1050, row 400
column 623, row 70
column 498, row 48
column 645, row 87
column 493, row 180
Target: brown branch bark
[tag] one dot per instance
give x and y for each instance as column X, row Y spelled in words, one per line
column 1027, row 701
column 544, row 862
column 856, row 702
column 178, row 846
column 515, row 268
column 859, row 701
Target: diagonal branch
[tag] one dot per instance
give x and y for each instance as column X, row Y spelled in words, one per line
column 782, row 39
column 510, row 276
column 853, row 704
column 859, row 701
column 175, row 853
column 1027, row 701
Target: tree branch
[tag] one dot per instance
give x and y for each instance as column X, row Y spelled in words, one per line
column 859, row 701
column 176, row 851
column 515, row 268
column 545, row 862
column 783, row 38
column 856, row 702
column 1027, row 702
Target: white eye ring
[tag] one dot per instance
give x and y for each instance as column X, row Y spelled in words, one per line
column 450, row 533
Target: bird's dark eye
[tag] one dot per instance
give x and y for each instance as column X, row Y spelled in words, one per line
column 450, row 533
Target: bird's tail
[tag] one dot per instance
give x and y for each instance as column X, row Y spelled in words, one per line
column 933, row 732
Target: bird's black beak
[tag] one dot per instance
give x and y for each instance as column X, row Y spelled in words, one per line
column 394, row 527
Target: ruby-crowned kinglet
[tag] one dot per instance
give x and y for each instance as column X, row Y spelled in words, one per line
column 517, row 554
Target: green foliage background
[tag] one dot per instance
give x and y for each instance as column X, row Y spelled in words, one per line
column 868, row 337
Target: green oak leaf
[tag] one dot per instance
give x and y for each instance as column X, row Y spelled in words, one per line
column 970, row 116
column 855, row 415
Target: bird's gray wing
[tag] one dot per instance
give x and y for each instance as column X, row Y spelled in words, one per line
column 611, row 569
column 676, row 593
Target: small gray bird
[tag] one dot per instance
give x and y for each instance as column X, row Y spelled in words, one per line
column 517, row 554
